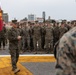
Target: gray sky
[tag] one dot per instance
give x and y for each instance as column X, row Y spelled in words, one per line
column 57, row 9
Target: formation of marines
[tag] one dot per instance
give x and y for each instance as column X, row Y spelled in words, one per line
column 37, row 36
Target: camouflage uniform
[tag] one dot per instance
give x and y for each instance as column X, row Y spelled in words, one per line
column 56, row 33
column 31, row 38
column 26, row 38
column 43, row 31
column 68, row 26
column 3, row 37
column 66, row 54
column 20, row 42
column 37, row 37
column 13, row 46
column 62, row 31
column 49, row 39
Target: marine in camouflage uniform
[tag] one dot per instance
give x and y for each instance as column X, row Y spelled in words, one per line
column 3, row 37
column 66, row 54
column 26, row 37
column 31, row 37
column 49, row 39
column 63, row 30
column 56, row 33
column 43, row 31
column 14, row 37
column 37, row 37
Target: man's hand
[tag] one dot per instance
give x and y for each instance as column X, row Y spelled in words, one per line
column 19, row 37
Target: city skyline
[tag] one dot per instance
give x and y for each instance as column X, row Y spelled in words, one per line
column 57, row 9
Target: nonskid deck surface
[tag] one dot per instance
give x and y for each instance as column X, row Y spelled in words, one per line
column 24, row 62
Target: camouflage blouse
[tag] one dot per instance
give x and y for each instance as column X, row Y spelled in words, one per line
column 66, row 54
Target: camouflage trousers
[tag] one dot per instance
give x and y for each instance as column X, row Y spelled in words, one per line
column 67, row 72
column 37, row 43
column 2, row 40
column 49, row 44
column 14, row 58
column 26, row 43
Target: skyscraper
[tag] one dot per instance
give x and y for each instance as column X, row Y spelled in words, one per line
column 43, row 16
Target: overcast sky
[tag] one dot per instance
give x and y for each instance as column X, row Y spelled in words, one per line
column 57, row 9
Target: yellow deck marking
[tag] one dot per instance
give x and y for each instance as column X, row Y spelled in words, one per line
column 5, row 64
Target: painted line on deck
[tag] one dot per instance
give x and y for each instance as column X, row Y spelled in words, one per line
column 30, row 55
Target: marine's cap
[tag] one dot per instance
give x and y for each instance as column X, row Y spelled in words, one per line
column 14, row 21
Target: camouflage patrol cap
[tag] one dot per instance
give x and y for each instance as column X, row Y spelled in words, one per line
column 36, row 21
column 14, row 21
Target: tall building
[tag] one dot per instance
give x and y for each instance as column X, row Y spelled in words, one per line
column 43, row 16
column 31, row 17
column 5, row 17
column 49, row 18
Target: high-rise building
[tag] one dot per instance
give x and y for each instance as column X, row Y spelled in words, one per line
column 5, row 17
column 49, row 18
column 31, row 17
column 43, row 16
